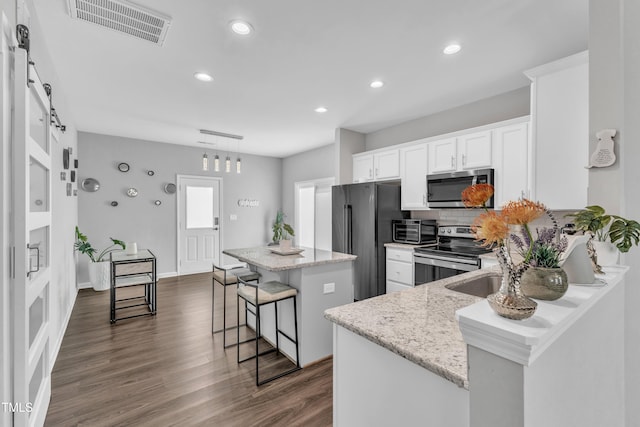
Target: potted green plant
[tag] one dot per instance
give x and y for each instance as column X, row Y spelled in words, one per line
column 609, row 232
column 99, row 271
column 282, row 231
column 545, row 279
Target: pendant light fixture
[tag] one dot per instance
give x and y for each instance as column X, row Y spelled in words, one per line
column 205, row 162
column 216, row 159
column 238, row 161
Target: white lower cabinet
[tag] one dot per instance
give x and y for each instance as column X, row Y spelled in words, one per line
column 399, row 269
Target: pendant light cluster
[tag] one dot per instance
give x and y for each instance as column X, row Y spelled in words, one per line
column 216, row 159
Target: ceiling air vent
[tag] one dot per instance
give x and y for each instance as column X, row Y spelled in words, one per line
column 122, row 16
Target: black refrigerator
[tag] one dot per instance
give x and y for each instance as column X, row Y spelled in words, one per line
column 361, row 225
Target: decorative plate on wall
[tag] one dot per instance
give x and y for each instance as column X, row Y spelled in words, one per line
column 170, row 188
column 90, row 184
column 123, row 167
column 132, row 192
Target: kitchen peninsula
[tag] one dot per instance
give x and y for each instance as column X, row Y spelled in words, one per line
column 324, row 279
column 434, row 356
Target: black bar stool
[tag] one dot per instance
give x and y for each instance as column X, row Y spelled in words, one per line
column 259, row 295
column 227, row 275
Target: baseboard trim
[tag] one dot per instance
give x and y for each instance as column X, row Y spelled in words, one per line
column 84, row 285
column 168, row 274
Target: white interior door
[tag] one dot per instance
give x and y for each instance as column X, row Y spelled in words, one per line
column 198, row 223
column 32, row 245
column 313, row 213
column 6, row 100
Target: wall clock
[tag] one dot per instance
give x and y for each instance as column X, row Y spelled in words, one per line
column 123, row 167
column 132, row 192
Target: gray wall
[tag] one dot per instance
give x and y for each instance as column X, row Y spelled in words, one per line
column 154, row 227
column 307, row 166
column 347, row 144
column 505, row 106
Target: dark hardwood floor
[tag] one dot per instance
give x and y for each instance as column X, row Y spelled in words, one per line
column 169, row 370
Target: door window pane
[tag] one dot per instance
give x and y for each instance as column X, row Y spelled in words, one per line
column 199, row 207
column 37, row 316
column 38, row 121
column 38, row 187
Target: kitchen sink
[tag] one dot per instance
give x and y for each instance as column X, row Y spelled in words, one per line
column 480, row 287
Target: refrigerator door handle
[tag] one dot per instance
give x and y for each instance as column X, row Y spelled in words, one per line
column 348, row 229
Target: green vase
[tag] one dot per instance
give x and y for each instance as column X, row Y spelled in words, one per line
column 544, row 283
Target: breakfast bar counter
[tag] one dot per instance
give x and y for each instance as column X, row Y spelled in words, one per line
column 324, row 279
column 436, row 356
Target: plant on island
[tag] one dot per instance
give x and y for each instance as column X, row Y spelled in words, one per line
column 281, row 230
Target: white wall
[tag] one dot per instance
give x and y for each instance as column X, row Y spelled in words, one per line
column 505, row 106
column 154, row 227
column 313, row 164
column 614, row 102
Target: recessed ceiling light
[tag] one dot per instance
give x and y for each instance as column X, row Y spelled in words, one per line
column 376, row 84
column 241, row 27
column 203, row 77
column 321, row 110
column 451, row 49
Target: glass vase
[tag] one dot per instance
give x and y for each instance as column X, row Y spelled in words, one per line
column 509, row 301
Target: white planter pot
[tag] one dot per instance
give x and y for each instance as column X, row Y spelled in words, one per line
column 285, row 244
column 100, row 275
column 606, row 252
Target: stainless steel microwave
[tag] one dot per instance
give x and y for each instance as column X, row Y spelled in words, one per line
column 444, row 190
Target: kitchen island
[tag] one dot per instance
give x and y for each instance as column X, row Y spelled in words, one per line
column 324, row 279
column 434, row 356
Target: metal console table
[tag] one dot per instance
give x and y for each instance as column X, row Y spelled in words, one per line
column 128, row 271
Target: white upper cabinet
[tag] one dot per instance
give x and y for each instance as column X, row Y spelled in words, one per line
column 470, row 151
column 413, row 168
column 386, row 164
column 362, row 167
column 376, row 166
column 474, row 150
column 560, row 132
column 442, row 156
column 511, row 162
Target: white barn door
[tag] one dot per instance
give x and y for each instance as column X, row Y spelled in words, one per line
column 30, row 285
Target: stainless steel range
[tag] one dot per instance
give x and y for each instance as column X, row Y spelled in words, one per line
column 455, row 253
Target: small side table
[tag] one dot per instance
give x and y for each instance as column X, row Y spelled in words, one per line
column 130, row 271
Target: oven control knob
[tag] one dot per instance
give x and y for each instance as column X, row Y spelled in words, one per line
column 449, row 230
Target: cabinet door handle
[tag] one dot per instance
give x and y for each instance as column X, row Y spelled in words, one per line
column 377, row 172
column 370, row 173
column 464, row 160
column 424, row 199
column 452, row 162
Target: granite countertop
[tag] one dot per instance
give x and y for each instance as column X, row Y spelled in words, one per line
column 263, row 257
column 418, row 324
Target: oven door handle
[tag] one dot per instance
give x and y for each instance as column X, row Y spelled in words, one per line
column 454, row 264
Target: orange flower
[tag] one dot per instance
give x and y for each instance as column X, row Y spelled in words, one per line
column 491, row 228
column 522, row 211
column 475, row 196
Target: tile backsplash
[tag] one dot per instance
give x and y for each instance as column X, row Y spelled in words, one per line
column 466, row 217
